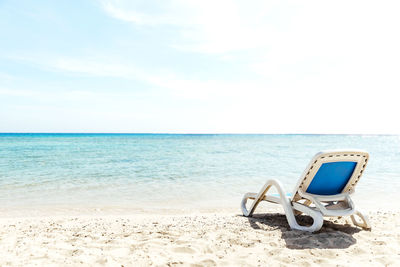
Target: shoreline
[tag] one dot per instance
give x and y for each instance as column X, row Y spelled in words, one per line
column 105, row 211
column 127, row 210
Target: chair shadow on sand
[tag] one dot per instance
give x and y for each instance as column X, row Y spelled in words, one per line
column 336, row 235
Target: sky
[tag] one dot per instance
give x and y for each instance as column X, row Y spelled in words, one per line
column 175, row 66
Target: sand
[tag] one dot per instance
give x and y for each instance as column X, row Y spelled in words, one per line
column 195, row 239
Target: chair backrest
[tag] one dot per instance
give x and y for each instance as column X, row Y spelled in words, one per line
column 331, row 173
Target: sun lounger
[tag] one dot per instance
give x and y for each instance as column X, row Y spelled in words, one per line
column 324, row 189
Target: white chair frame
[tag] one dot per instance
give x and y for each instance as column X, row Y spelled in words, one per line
column 330, row 205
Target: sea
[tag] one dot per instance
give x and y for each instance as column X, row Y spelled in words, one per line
column 177, row 171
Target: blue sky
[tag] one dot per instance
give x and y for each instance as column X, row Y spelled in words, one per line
column 199, row 66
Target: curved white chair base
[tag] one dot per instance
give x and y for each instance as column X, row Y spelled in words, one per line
column 293, row 208
column 287, row 206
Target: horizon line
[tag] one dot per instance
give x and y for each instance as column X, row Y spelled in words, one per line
column 193, row 133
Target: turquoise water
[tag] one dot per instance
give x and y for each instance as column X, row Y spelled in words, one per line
column 175, row 171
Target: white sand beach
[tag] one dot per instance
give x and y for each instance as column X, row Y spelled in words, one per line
column 195, row 239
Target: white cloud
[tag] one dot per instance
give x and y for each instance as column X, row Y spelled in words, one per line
column 167, row 81
column 95, row 67
column 299, row 28
column 204, row 26
column 57, row 95
column 18, row 93
column 6, row 76
column 127, row 11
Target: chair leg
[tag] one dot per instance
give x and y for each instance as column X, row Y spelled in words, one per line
column 260, row 196
column 246, row 197
column 365, row 221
